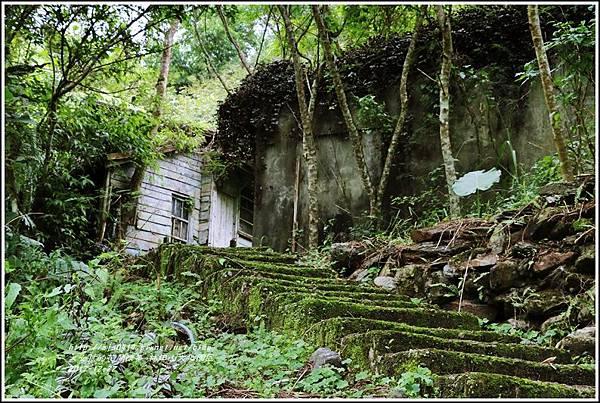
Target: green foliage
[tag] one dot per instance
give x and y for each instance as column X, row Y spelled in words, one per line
column 372, row 116
column 416, row 382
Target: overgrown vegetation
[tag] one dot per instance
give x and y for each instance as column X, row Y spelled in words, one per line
column 94, row 329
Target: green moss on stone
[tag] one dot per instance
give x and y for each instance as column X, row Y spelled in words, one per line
column 450, row 362
column 485, row 385
column 333, row 329
column 387, row 341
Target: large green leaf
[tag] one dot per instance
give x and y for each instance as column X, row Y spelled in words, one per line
column 476, row 180
column 12, row 291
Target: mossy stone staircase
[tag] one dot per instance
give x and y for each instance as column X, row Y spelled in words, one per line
column 384, row 332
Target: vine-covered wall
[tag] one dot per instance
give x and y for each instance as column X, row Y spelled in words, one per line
column 490, row 112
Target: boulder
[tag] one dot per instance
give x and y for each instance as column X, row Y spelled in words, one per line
column 580, row 341
column 480, row 310
column 450, row 272
column 545, row 302
column 523, row 250
column 519, row 324
column 483, row 261
column 385, row 282
column 498, row 240
column 504, row 275
column 324, row 356
column 551, row 260
column 552, row 322
column 348, row 255
column 439, row 289
column 410, row 279
column 585, row 263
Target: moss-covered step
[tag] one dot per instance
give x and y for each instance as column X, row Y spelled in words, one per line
column 246, row 253
column 484, row 385
column 248, row 297
column 452, row 362
column 211, row 274
column 353, row 292
column 299, row 316
column 330, row 331
column 200, row 263
column 362, row 348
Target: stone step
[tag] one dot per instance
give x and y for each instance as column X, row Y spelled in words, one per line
column 485, row 385
column 329, row 332
column 452, row 362
column 365, row 347
column 318, row 285
column 248, row 297
column 307, row 312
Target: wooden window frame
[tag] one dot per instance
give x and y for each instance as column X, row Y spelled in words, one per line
column 183, row 199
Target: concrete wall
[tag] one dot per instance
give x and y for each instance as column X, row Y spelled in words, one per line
column 477, row 135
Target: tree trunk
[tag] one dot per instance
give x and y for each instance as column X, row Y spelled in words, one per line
column 233, row 41
column 343, row 104
column 208, row 62
column 161, row 88
column 558, row 130
column 391, row 153
column 308, row 140
column 444, row 22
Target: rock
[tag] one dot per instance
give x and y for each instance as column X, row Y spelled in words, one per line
column 523, row 250
column 466, row 228
column 544, row 302
column 359, row 274
column 481, row 310
column 385, row 282
column 552, row 322
column 498, row 240
column 483, row 261
column 503, row 275
column 438, row 289
column 324, row 356
column 585, row 263
column 519, row 324
column 450, row 272
column 580, row 341
column 347, row 255
column 550, row 260
column 410, row 279
column 557, row 188
column 567, row 280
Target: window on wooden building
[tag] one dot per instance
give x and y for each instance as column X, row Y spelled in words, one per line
column 180, row 218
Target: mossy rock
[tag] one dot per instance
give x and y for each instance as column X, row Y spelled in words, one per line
column 309, row 311
column 362, row 347
column 330, row 331
column 452, row 362
column 484, row 385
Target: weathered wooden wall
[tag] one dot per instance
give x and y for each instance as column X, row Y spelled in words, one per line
column 175, row 174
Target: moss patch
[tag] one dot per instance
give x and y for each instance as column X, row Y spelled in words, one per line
column 483, row 385
column 452, row 362
column 386, row 341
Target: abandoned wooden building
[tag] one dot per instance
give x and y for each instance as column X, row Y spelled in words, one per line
column 179, row 201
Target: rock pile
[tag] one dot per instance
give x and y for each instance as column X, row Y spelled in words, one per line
column 535, row 264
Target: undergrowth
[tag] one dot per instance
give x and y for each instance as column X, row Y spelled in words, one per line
column 95, row 330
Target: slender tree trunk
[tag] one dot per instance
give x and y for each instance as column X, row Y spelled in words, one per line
column 233, row 41
column 549, row 92
column 308, row 139
column 343, row 104
column 391, row 153
column 444, row 22
column 161, row 88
